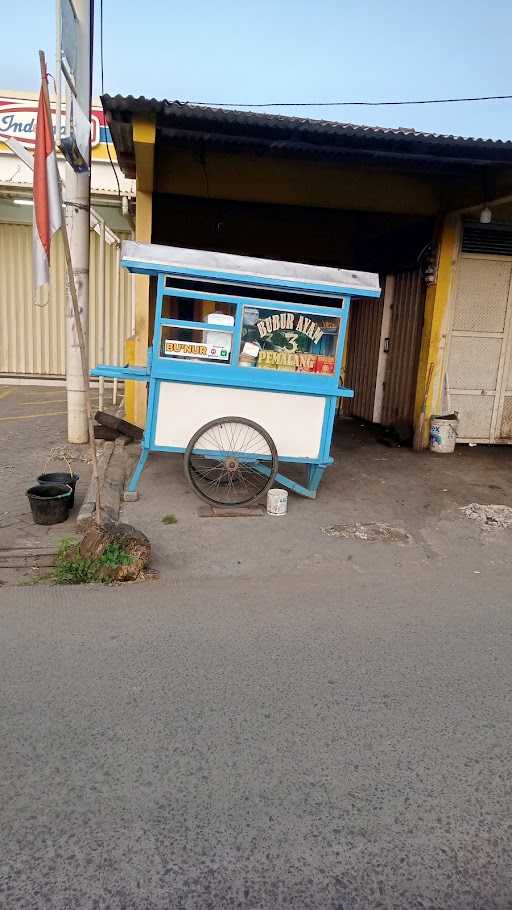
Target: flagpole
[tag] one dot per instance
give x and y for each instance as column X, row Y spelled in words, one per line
column 74, row 299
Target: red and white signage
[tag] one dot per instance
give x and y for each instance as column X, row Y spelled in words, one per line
column 18, row 121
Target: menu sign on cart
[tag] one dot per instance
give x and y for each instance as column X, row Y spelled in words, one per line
column 293, row 342
column 290, row 323
column 195, row 349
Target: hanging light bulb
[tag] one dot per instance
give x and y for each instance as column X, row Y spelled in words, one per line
column 485, row 215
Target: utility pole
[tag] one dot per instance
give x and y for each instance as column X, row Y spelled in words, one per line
column 78, row 199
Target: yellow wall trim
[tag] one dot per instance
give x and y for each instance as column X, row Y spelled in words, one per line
column 144, row 133
column 289, row 182
column 435, row 324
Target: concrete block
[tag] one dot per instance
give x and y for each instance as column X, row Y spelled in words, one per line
column 85, row 515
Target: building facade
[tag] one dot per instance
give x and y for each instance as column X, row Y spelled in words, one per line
column 32, row 340
column 405, row 204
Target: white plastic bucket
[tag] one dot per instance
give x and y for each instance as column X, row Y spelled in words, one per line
column 277, row 502
column 443, row 434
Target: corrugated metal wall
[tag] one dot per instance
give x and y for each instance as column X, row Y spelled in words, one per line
column 363, row 356
column 407, row 313
column 401, row 364
column 32, row 338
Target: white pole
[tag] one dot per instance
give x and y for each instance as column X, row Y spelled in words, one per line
column 75, row 307
column 58, row 79
column 77, row 220
column 117, row 316
column 101, row 310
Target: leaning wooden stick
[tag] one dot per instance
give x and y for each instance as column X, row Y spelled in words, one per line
column 76, row 309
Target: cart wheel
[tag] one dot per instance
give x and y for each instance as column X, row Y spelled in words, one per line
column 231, row 462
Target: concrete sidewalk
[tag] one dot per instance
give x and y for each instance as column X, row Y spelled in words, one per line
column 32, row 422
column 419, row 495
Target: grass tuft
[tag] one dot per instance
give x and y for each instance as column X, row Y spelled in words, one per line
column 169, row 520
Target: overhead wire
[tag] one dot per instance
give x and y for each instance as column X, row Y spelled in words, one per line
column 103, row 92
column 351, row 103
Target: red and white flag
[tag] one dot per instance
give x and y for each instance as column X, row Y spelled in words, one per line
column 47, row 210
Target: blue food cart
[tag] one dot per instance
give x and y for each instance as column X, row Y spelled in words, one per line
column 243, row 372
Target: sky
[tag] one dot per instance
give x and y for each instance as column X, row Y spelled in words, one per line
column 261, row 51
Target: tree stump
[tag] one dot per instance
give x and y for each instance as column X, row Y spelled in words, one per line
column 133, row 542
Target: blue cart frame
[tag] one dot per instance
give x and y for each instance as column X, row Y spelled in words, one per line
column 161, row 369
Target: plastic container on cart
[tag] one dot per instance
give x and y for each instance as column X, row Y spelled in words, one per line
column 219, row 339
column 249, row 354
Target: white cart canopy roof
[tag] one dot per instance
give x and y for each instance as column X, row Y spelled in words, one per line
column 152, row 258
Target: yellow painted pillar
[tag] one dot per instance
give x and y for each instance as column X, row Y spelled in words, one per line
column 435, row 323
column 144, row 132
column 129, row 387
column 141, row 341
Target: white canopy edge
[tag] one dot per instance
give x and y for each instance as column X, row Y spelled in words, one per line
column 165, row 258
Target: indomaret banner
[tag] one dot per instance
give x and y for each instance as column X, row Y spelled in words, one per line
column 18, row 121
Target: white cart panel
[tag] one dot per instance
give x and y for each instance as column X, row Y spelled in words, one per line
column 293, row 421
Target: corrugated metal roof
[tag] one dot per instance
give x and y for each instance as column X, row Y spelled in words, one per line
column 293, row 127
column 191, row 126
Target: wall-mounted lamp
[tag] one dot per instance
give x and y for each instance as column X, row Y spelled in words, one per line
column 427, row 260
column 485, row 215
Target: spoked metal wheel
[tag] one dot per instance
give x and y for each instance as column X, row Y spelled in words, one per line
column 231, row 462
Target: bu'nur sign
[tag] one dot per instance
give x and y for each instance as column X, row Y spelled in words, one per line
column 18, row 121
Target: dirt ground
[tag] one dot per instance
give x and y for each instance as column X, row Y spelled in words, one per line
column 415, row 500
column 418, row 496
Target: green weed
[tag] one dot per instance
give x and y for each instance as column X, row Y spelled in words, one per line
column 114, row 556
column 169, row 520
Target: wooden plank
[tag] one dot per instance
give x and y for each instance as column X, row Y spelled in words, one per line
column 106, row 433
column 11, row 551
column 231, row 512
column 117, row 423
column 27, row 557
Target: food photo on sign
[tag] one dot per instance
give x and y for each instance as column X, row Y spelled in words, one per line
column 292, row 342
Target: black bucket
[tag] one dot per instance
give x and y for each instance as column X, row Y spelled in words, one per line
column 61, row 477
column 49, row 503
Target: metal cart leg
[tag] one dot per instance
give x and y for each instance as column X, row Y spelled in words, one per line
column 134, row 480
column 295, row 487
column 315, row 472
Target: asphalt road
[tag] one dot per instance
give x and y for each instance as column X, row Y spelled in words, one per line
column 239, row 744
